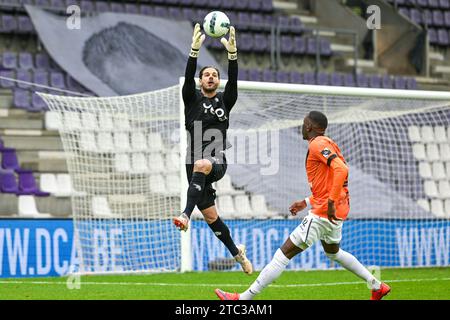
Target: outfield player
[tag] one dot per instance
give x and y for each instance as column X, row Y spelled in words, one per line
column 207, row 115
column 327, row 174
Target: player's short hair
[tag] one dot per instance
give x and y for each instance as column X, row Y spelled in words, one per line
column 200, row 74
column 319, row 119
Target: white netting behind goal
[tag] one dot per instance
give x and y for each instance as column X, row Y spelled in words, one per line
column 123, row 156
column 117, row 150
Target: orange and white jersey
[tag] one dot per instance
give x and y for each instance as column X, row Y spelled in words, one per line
column 327, row 177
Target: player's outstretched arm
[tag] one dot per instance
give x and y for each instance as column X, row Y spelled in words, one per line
column 191, row 66
column 230, row 94
column 340, row 174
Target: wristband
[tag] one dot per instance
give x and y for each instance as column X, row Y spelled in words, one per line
column 193, row 53
column 308, row 202
column 232, row 55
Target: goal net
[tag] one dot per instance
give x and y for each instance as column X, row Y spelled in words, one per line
column 125, row 156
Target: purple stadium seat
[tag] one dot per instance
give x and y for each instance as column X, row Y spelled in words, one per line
column 261, row 43
column 26, row 60
column 243, row 21
column 257, row 22
column 9, row 60
column 416, row 16
column 447, row 18
column 57, row 80
column 8, row 183
column 243, row 74
column 145, row 9
column 362, row 80
column 175, row 13
column 404, row 11
column 422, row 3
column 283, row 23
column 433, row 3
column 295, row 25
column 375, row 81
column 241, row 5
column 9, row 159
column 299, row 45
column 40, row 77
column 185, row 3
column 337, row 79
column 87, row 5
column 42, row 2
column 228, row 4
column 7, row 74
column 443, row 39
column 411, row 83
column 57, row 4
column 399, row 82
column 325, row 47
column 117, row 7
column 267, row 5
column 37, row 104
column 42, row 61
column 255, row 5
column 295, row 77
column 245, row 42
column 427, row 17
column 268, row 75
column 312, row 46
column 269, row 19
column 322, row 79
column 309, row 78
column 386, row 82
column 282, row 76
column 438, row 18
column 131, row 8
column 444, row 4
column 102, row 6
column 24, row 24
column 232, row 16
column 189, row 14
column 287, row 44
column 349, row 80
column 8, row 23
column 201, row 14
column 21, row 99
column 23, row 75
column 254, row 75
column 432, row 36
column 214, row 4
column 27, row 184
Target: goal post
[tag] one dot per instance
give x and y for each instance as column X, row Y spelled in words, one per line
column 126, row 159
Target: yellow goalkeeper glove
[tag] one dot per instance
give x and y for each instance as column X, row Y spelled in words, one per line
column 197, row 41
column 230, row 44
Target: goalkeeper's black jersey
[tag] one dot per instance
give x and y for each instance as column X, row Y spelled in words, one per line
column 207, row 119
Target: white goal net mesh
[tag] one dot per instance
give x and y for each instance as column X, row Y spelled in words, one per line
column 123, row 155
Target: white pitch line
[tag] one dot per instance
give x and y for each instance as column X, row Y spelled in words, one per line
column 217, row 284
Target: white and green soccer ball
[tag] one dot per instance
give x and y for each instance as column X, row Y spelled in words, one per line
column 216, row 24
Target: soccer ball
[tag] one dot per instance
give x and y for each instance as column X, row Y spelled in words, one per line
column 216, row 24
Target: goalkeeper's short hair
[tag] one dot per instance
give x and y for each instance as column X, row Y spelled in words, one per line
column 200, row 74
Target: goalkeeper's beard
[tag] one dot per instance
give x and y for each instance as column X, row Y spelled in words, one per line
column 210, row 90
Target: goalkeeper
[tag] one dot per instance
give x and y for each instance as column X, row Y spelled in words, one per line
column 206, row 114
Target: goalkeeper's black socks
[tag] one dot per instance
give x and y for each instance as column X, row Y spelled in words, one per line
column 195, row 191
column 222, row 232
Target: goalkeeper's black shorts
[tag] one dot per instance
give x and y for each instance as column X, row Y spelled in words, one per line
column 219, row 168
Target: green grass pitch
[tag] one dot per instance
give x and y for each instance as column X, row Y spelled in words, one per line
column 419, row 284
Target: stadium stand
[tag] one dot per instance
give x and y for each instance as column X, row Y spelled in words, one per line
column 33, row 167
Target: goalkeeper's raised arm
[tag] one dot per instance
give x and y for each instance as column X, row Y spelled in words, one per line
column 231, row 93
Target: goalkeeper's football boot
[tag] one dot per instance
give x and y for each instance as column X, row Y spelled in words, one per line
column 226, row 295
column 379, row 294
column 243, row 260
column 181, row 222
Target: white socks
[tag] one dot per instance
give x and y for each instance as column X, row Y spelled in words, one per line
column 349, row 262
column 270, row 272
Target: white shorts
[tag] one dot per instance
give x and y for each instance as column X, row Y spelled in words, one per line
column 313, row 228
